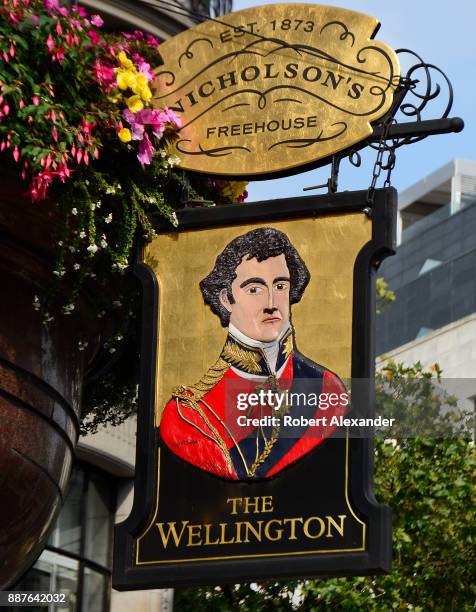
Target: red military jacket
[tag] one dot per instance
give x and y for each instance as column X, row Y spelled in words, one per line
column 201, row 424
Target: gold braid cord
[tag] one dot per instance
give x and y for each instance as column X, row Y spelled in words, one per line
column 191, row 396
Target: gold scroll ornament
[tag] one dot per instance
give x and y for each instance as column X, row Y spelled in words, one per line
column 272, row 88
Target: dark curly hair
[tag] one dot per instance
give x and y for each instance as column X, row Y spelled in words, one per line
column 261, row 243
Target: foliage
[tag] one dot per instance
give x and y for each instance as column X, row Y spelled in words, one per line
column 79, row 127
column 76, row 110
column 417, row 401
column 428, row 483
column 385, row 296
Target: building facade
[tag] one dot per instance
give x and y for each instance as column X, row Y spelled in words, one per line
column 433, row 275
column 433, row 272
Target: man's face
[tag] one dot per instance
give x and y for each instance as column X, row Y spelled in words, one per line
column 261, row 294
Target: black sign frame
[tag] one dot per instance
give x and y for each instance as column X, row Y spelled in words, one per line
column 376, row 558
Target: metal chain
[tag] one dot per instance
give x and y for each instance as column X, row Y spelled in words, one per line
column 379, row 165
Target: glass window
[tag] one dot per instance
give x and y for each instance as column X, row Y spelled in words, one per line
column 77, row 558
column 53, row 573
column 94, row 590
column 66, row 533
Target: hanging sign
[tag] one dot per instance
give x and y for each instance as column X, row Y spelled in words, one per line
column 270, row 89
column 256, row 318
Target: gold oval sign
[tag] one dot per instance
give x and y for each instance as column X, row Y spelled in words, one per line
column 272, row 88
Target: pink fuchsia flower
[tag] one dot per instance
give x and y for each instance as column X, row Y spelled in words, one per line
column 53, row 7
column 59, row 55
column 76, row 24
column 50, row 43
column 145, row 150
column 35, row 100
column 82, row 12
column 97, row 21
column 151, row 40
column 105, row 75
column 94, row 37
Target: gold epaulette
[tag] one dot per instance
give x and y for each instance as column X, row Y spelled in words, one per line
column 211, row 377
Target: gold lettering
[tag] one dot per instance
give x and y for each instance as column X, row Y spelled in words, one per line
column 165, row 536
column 293, row 522
column 207, row 536
column 222, row 536
column 339, row 528
column 306, row 527
column 256, row 533
column 251, row 504
column 278, row 533
column 238, row 533
column 267, row 503
column 192, row 533
column 234, row 503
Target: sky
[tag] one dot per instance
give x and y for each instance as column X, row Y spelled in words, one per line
column 442, row 33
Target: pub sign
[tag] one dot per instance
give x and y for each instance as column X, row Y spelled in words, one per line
column 256, row 318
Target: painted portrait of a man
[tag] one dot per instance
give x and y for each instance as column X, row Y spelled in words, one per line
column 251, row 289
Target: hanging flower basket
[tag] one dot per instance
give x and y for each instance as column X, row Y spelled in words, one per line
column 83, row 160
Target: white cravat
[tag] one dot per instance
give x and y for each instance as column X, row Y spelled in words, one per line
column 270, row 349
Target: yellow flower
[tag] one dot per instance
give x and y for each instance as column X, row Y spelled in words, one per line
column 126, row 79
column 125, row 135
column 141, row 81
column 135, row 104
column 145, row 93
column 125, row 61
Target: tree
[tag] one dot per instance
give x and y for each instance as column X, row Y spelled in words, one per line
column 428, row 483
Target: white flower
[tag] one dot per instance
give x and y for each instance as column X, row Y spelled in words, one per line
column 72, row 249
column 103, row 242
column 82, row 234
column 173, row 161
column 117, row 303
column 59, row 273
column 108, row 219
column 76, row 266
column 92, row 248
column 82, row 345
column 111, row 190
column 60, row 243
column 98, row 204
column 74, row 211
column 93, row 206
column 112, row 350
column 68, row 308
column 174, row 219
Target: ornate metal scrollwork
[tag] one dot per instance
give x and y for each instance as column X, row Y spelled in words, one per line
column 409, row 120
